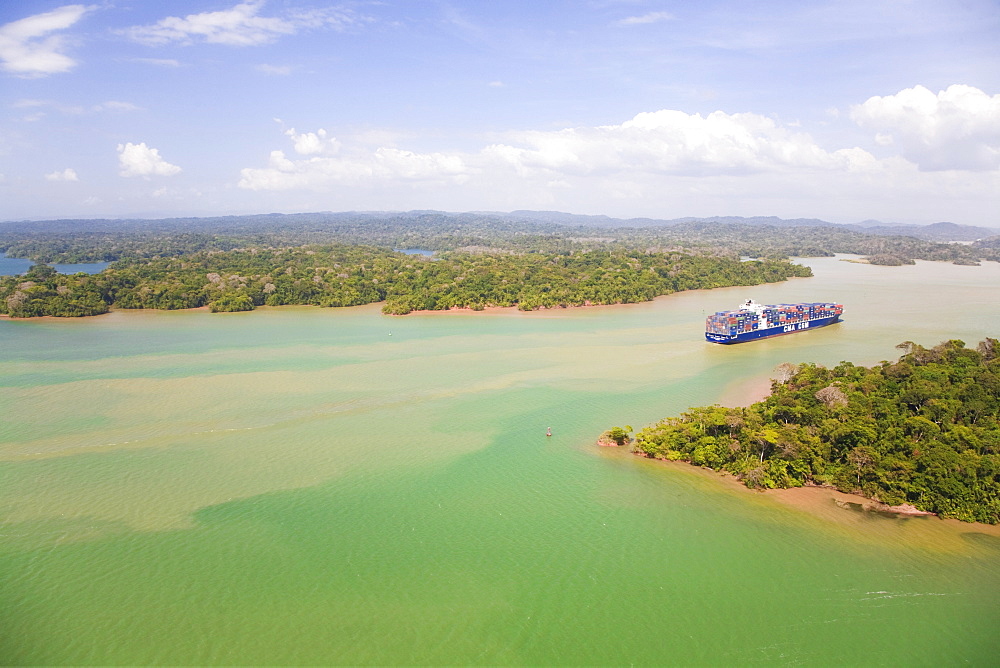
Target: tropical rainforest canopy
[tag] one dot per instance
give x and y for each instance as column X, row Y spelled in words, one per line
column 240, row 280
column 924, row 430
column 236, row 263
column 71, row 241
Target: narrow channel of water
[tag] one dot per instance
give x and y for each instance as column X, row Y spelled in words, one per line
column 13, row 266
column 336, row 486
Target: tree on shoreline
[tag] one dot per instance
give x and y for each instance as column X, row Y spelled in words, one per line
column 41, row 291
column 343, row 275
column 924, row 430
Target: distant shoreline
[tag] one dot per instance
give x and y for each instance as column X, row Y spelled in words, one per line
column 515, row 309
column 453, row 309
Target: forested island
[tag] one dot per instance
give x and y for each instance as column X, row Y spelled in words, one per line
column 923, row 430
column 240, row 280
column 529, row 260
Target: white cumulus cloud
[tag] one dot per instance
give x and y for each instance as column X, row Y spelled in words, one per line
column 313, row 143
column 29, row 49
column 240, row 25
column 957, row 128
column 140, row 160
column 68, row 174
column 650, row 145
column 673, row 142
column 384, row 165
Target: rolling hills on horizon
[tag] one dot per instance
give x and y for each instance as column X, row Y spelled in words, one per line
column 941, row 231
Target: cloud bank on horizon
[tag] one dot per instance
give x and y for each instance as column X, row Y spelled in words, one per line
column 841, row 109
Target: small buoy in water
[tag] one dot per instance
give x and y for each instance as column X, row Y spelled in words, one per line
column 548, row 432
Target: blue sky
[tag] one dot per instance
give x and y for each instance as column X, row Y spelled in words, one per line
column 844, row 110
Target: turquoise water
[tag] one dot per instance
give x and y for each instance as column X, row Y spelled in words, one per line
column 301, row 486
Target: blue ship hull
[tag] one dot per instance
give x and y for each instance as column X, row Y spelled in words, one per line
column 779, row 330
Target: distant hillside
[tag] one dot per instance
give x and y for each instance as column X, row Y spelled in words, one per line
column 935, row 232
column 606, row 221
column 769, row 237
column 942, row 232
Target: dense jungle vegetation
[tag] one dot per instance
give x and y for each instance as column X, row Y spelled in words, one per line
column 73, row 241
column 342, row 259
column 924, row 430
column 346, row 275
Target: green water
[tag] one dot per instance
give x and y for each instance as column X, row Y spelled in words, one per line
column 334, row 486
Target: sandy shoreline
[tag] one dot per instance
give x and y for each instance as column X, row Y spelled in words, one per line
column 70, row 318
column 461, row 310
column 827, row 503
column 515, row 310
column 849, row 511
column 811, row 497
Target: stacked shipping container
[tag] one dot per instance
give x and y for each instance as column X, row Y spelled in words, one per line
column 754, row 321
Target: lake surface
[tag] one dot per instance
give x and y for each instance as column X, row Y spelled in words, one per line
column 12, row 266
column 334, row 486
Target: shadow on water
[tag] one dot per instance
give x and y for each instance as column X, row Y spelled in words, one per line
column 982, row 540
column 870, row 511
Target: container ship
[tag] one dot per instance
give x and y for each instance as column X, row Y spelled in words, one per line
column 757, row 321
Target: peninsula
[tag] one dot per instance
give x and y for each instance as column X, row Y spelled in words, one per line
column 923, row 431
